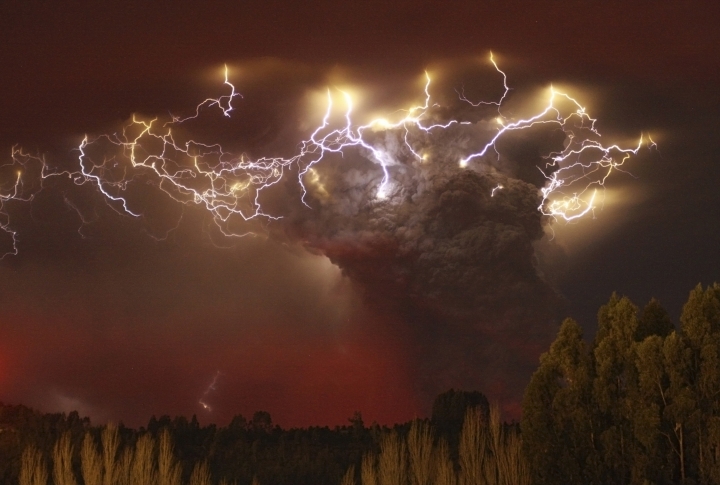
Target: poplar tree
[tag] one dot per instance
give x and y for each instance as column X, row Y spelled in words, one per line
column 558, row 426
column 680, row 410
column 655, row 320
column 642, row 405
column 653, row 459
column 658, row 451
column 700, row 324
column 615, row 385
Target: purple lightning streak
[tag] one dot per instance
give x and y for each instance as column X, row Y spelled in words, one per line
column 229, row 187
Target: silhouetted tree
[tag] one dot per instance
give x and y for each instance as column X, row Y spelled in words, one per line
column 700, row 328
column 449, row 410
column 559, row 424
column 655, row 320
column 615, row 386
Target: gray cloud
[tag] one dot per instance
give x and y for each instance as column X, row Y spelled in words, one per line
column 452, row 259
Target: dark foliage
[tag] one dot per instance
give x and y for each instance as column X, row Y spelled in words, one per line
column 239, row 452
column 638, row 405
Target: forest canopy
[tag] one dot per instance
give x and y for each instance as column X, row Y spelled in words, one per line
column 640, row 403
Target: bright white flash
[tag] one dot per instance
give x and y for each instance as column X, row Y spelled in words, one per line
column 229, row 187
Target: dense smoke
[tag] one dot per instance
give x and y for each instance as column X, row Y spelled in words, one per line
column 448, row 251
column 443, row 252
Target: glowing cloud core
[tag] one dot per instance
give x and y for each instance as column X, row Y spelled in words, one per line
column 229, row 187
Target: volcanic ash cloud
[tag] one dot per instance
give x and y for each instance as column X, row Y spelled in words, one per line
column 449, row 251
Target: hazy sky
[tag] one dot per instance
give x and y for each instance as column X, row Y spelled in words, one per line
column 349, row 305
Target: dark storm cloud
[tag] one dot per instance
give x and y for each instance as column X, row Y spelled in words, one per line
column 446, row 254
column 447, row 257
column 76, row 308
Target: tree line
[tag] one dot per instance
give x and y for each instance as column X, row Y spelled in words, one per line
column 41, row 448
column 639, row 404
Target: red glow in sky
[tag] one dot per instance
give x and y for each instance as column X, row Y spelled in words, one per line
column 121, row 327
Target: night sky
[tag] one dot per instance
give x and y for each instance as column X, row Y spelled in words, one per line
column 330, row 311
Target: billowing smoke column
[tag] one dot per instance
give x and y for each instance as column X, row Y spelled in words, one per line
column 432, row 211
column 448, row 250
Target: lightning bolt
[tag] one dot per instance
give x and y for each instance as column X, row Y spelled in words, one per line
column 229, row 187
column 210, row 388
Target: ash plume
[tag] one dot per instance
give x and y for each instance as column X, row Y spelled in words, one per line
column 435, row 218
column 450, row 257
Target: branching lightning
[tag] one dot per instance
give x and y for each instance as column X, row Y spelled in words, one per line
column 229, row 187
